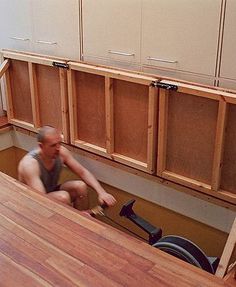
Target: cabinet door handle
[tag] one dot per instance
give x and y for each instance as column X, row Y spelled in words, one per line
column 46, row 42
column 162, row 60
column 19, row 38
column 120, row 53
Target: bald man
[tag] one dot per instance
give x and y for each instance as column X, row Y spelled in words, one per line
column 41, row 167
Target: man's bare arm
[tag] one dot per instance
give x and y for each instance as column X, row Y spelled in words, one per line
column 87, row 177
column 28, row 172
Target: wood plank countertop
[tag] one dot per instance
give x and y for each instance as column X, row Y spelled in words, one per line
column 44, row 243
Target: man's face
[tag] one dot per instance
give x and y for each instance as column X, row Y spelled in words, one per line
column 51, row 146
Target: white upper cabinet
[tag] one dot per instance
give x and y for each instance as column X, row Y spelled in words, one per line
column 228, row 59
column 181, row 35
column 112, row 29
column 56, row 27
column 15, row 23
column 49, row 27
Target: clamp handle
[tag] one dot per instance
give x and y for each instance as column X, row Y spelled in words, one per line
column 155, row 233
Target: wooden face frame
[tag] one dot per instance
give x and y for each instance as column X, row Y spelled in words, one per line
column 215, row 105
column 36, row 92
column 108, row 85
column 130, row 118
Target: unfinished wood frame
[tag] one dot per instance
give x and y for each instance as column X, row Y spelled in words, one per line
column 3, row 67
column 227, row 252
column 113, row 114
column 36, row 92
column 192, row 148
column 120, row 115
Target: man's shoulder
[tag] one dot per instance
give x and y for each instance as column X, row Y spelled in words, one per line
column 28, row 161
column 28, row 167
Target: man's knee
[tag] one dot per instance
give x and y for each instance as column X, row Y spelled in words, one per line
column 81, row 188
column 62, row 195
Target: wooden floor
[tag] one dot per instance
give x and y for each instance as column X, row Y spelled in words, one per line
column 43, row 243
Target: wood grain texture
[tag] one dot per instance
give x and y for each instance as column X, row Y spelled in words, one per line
column 49, row 96
column 191, row 136
column 219, row 145
column 20, row 91
column 34, row 94
column 3, row 122
column 130, row 119
column 228, row 172
column 228, row 252
column 90, row 103
column 3, row 67
column 109, row 115
column 152, row 129
column 44, row 243
column 162, row 131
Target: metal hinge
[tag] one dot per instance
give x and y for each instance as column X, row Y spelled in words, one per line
column 165, row 86
column 60, row 65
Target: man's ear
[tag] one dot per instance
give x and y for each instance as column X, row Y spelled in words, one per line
column 40, row 145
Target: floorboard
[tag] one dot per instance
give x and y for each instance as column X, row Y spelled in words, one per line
column 45, row 243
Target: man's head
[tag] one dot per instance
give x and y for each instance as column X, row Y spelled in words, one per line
column 49, row 140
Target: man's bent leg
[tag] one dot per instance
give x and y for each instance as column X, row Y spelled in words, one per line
column 61, row 195
column 78, row 193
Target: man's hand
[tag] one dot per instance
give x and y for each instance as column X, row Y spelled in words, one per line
column 106, row 198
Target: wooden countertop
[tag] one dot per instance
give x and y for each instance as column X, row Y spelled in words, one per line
column 43, row 243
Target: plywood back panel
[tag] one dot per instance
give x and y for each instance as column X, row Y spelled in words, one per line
column 191, row 128
column 228, row 175
column 48, row 85
column 90, row 98
column 20, row 91
column 131, row 119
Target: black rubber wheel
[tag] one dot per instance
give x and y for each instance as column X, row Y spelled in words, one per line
column 185, row 250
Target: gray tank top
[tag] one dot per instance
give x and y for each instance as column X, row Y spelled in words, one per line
column 49, row 177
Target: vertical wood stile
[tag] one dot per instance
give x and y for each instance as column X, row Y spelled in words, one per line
column 219, row 145
column 152, row 129
column 4, row 66
column 109, row 115
column 34, row 94
column 64, row 103
column 227, row 252
column 162, row 131
column 9, row 101
column 72, row 106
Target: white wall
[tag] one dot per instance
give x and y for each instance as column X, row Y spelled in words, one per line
column 6, row 140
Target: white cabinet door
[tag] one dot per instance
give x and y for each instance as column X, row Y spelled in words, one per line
column 228, row 59
column 228, row 84
column 15, row 23
column 181, row 34
column 56, row 27
column 112, row 29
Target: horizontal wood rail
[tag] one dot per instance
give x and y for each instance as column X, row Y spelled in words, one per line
column 186, row 135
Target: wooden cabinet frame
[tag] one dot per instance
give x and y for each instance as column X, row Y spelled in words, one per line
column 227, row 254
column 180, row 132
column 108, row 77
column 223, row 101
column 31, row 63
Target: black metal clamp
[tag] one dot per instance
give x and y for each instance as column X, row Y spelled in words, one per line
column 166, row 86
column 60, row 65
